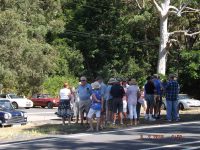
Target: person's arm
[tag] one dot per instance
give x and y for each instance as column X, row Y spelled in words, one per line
column 95, row 98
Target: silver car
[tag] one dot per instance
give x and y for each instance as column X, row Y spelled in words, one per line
column 184, row 102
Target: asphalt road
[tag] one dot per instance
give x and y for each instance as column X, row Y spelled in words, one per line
column 156, row 137
column 40, row 114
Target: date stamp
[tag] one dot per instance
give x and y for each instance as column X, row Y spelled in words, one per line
column 161, row 136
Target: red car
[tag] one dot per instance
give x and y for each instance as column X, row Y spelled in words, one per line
column 45, row 100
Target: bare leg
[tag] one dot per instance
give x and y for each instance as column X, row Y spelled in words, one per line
column 120, row 117
column 98, row 123
column 63, row 120
column 69, row 120
column 82, row 117
column 114, row 117
column 91, row 125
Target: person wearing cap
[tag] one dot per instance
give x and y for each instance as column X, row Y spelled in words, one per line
column 117, row 92
column 64, row 108
column 172, row 90
column 84, row 92
column 132, row 95
column 96, row 107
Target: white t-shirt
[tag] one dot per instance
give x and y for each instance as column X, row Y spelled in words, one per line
column 132, row 91
column 65, row 93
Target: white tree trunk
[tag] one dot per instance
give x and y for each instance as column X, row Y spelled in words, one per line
column 162, row 57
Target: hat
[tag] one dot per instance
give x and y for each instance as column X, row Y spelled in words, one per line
column 133, row 82
column 95, row 85
column 112, row 80
column 83, row 78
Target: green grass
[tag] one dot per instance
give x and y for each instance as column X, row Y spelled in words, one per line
column 37, row 130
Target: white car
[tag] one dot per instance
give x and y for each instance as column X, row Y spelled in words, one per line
column 184, row 102
column 18, row 101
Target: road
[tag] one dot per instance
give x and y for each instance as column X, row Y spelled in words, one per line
column 40, row 114
column 155, row 137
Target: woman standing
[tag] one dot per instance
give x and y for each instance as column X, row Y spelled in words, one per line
column 64, row 108
column 132, row 94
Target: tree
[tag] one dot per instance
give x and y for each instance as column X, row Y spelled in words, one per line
column 164, row 10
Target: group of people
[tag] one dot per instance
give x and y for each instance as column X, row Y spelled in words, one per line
column 118, row 101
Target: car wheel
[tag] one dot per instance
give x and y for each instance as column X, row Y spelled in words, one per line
column 50, row 105
column 163, row 107
column 15, row 105
column 43, row 106
column 27, row 107
column 180, row 106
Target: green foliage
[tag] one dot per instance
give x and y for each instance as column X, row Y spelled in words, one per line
column 52, row 85
column 46, row 42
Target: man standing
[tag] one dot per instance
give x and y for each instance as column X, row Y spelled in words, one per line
column 158, row 102
column 84, row 91
column 117, row 92
column 149, row 97
column 172, row 89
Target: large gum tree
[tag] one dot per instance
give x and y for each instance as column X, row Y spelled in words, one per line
column 165, row 9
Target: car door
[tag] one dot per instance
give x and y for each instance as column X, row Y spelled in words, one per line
column 38, row 100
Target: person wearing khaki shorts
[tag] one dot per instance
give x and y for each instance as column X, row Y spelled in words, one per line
column 84, row 92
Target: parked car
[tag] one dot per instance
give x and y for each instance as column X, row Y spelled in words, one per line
column 18, row 101
column 10, row 116
column 184, row 102
column 45, row 100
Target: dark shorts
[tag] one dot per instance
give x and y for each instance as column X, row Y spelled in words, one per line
column 150, row 99
column 117, row 105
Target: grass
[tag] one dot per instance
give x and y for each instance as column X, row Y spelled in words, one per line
column 31, row 130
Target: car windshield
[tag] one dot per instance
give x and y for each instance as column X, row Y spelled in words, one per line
column 5, row 105
column 184, row 97
column 13, row 96
column 47, row 96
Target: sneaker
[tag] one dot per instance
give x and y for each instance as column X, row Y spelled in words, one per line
column 168, row 120
column 113, row 123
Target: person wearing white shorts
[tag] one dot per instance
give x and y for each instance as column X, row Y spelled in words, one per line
column 96, row 107
column 92, row 112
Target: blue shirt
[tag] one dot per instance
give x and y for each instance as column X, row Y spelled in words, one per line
column 97, row 93
column 172, row 89
column 103, row 90
column 158, row 86
column 84, row 92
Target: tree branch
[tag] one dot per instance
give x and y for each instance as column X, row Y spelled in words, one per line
column 193, row 9
column 173, row 8
column 185, row 32
column 189, row 12
column 138, row 4
column 157, row 6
